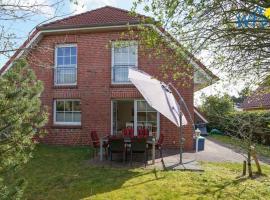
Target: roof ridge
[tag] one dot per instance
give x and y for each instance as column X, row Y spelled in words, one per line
column 86, row 12
column 70, row 17
column 124, row 10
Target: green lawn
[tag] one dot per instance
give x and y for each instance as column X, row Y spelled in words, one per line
column 261, row 149
column 63, row 173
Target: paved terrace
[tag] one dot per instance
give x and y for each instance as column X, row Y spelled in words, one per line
column 214, row 152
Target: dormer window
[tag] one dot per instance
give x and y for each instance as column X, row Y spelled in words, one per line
column 65, row 65
column 124, row 56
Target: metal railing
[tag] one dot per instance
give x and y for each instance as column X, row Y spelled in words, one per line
column 120, row 73
column 65, row 75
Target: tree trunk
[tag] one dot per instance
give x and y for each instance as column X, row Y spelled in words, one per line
column 253, row 153
column 249, row 163
column 244, row 168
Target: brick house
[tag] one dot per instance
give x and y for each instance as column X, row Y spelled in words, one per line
column 85, row 79
column 258, row 100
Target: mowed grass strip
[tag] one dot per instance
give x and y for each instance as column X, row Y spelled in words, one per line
column 64, row 173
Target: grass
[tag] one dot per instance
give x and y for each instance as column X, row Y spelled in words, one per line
column 64, row 173
column 262, row 150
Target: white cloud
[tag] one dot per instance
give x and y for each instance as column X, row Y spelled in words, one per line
column 85, row 5
column 41, row 7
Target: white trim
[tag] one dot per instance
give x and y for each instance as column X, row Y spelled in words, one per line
column 112, row 60
column 158, row 125
column 111, row 117
column 22, row 51
column 89, row 28
column 55, row 64
column 97, row 28
column 205, row 120
column 191, row 60
column 135, row 115
column 39, row 34
column 65, row 123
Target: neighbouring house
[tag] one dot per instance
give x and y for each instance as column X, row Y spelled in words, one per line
column 200, row 121
column 258, row 100
column 85, row 78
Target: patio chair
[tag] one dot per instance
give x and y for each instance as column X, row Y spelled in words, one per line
column 117, row 145
column 143, row 132
column 129, row 125
column 96, row 144
column 131, row 132
column 138, row 145
column 158, row 145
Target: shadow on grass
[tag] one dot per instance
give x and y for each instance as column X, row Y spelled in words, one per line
column 63, row 173
column 216, row 191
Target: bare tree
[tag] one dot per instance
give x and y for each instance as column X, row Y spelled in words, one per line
column 234, row 32
column 18, row 11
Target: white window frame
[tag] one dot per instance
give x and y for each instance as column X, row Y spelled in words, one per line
column 112, row 61
column 135, row 116
column 55, row 64
column 65, row 123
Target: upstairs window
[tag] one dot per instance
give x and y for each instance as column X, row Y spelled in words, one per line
column 66, row 65
column 124, row 56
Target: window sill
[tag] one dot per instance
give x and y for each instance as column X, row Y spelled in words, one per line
column 56, row 126
column 65, row 87
column 117, row 85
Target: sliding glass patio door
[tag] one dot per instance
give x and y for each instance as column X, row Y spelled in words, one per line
column 147, row 117
column 135, row 113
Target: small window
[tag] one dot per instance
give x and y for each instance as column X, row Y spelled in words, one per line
column 67, row 112
column 124, row 56
column 66, row 65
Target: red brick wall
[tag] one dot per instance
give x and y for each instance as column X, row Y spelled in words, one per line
column 94, row 88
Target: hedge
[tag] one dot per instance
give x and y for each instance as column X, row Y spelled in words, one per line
column 256, row 122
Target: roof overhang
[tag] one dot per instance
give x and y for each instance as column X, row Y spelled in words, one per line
column 200, row 115
column 202, row 77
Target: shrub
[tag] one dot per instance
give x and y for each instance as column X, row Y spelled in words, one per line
column 255, row 122
column 21, row 118
column 216, row 108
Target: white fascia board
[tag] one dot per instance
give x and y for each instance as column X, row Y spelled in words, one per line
column 35, row 38
column 41, row 32
column 39, row 35
column 205, row 120
column 173, row 45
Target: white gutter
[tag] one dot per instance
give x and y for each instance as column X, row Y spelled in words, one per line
column 22, row 51
column 192, row 62
column 39, row 34
column 197, row 113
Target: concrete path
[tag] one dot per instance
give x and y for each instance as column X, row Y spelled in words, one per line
column 215, row 152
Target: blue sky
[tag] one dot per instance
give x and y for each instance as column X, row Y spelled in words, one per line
column 23, row 28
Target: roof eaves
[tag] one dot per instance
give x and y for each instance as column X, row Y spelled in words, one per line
column 134, row 22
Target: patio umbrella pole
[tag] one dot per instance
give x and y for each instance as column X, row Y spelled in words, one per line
column 181, row 139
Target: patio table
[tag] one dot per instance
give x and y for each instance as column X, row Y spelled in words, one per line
column 127, row 140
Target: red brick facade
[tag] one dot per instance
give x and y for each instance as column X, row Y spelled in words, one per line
column 94, row 88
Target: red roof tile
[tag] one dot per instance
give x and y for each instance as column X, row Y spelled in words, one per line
column 259, row 99
column 105, row 16
column 102, row 16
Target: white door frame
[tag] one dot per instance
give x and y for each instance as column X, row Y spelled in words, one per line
column 135, row 115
